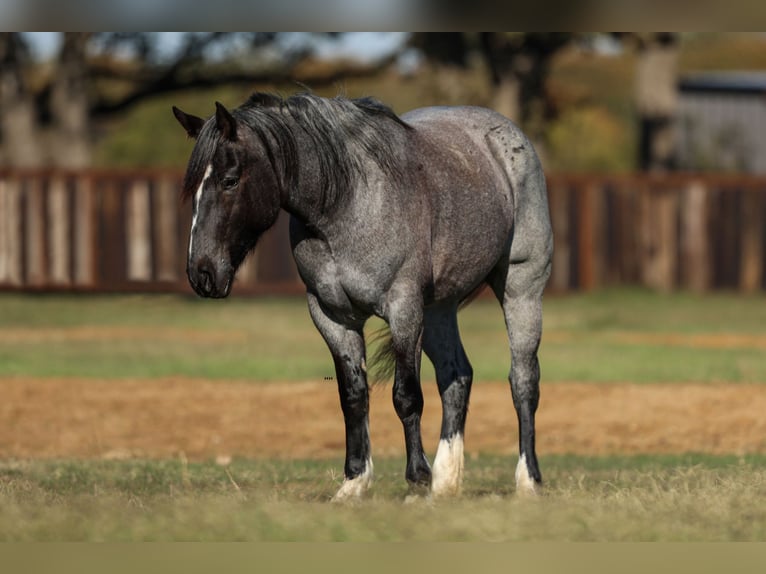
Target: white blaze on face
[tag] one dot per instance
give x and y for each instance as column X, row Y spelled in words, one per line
column 525, row 484
column 447, row 474
column 197, row 197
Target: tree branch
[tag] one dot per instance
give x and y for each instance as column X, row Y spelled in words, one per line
column 176, row 82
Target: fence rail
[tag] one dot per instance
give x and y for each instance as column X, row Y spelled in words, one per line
column 114, row 231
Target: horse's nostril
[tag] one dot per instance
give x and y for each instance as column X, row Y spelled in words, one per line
column 206, row 279
column 207, row 282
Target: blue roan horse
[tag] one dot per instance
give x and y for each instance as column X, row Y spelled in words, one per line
column 402, row 218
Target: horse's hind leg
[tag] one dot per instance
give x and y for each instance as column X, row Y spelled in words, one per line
column 348, row 352
column 441, row 342
column 519, row 288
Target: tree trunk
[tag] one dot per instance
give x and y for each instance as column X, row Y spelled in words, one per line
column 656, row 96
column 70, row 138
column 20, row 145
column 506, row 98
column 519, row 65
column 63, row 139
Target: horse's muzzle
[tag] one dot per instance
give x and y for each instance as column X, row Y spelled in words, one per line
column 207, row 281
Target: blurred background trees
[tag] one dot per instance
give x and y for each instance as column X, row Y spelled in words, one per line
column 588, row 101
column 53, row 112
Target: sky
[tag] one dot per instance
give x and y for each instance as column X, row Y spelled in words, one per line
column 362, row 46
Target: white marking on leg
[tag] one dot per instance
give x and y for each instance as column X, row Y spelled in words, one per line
column 356, row 487
column 197, row 197
column 525, row 484
column 447, row 474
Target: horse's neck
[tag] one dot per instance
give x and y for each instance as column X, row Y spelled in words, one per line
column 304, row 197
column 307, row 198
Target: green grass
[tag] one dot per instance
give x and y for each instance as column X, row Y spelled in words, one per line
column 586, row 338
column 688, row 497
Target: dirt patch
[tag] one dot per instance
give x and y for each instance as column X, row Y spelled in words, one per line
column 724, row 341
column 696, row 340
column 44, row 418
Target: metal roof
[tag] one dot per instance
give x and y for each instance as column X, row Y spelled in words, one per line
column 724, row 82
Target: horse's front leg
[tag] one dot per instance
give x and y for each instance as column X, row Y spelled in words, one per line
column 405, row 318
column 347, row 347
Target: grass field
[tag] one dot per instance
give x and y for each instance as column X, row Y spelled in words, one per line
column 608, row 337
column 616, row 336
column 670, row 498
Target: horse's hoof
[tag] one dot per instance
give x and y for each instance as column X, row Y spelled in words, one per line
column 355, row 488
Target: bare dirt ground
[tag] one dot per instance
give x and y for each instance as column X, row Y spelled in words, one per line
column 60, row 418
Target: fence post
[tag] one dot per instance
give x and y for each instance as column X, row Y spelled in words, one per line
column 627, row 256
column 34, row 238
column 695, row 237
column 10, row 232
column 751, row 262
column 85, row 236
column 139, row 232
column 559, row 200
column 166, row 210
column 659, row 238
column 59, row 222
column 585, row 266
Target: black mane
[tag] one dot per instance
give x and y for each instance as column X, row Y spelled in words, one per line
column 344, row 132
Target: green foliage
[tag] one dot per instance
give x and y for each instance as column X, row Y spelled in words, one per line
column 593, row 128
column 149, row 136
column 590, row 139
column 619, row 335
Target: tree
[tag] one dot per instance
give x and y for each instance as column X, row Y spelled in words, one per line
column 19, row 144
column 518, row 65
column 656, row 98
column 69, row 103
column 47, row 116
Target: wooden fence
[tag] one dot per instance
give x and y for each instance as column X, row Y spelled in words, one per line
column 667, row 232
column 110, row 231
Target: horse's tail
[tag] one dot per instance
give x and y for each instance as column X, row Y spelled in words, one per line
column 382, row 363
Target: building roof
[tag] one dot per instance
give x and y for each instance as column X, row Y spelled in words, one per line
column 724, row 82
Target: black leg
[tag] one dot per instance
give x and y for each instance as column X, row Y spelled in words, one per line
column 441, row 342
column 408, row 402
column 354, row 401
column 406, row 322
column 347, row 347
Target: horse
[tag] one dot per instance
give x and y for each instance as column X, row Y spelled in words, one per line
column 400, row 217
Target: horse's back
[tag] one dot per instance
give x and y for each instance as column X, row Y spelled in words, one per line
column 486, row 187
column 493, row 154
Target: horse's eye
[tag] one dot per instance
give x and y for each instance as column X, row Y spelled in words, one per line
column 230, row 182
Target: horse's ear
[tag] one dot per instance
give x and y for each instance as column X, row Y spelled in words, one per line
column 225, row 122
column 192, row 124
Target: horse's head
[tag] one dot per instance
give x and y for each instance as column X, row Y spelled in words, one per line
column 235, row 195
